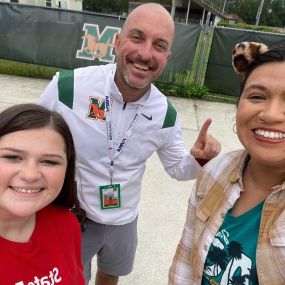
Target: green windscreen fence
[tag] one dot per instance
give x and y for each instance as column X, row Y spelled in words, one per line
column 183, row 52
column 220, row 77
column 55, row 37
column 70, row 39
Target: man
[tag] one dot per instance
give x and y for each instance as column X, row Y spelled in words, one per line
column 114, row 142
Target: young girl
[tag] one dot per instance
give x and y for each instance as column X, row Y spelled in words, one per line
column 40, row 239
column 234, row 231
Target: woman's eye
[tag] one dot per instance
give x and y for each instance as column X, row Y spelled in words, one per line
column 256, row 97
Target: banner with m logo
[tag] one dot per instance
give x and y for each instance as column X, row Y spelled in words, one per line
column 96, row 44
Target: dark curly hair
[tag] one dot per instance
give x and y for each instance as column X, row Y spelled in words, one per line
column 274, row 54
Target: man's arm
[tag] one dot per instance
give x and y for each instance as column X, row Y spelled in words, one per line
column 49, row 97
column 180, row 163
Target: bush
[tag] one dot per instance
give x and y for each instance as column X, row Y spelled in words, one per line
column 243, row 26
column 195, row 90
column 166, row 88
column 190, row 90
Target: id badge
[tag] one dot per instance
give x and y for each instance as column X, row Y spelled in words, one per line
column 110, row 196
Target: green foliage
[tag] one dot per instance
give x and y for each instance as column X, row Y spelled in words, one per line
column 176, row 77
column 194, row 90
column 189, row 90
column 273, row 12
column 106, row 6
column 117, row 7
column 162, row 2
column 225, row 23
column 26, row 69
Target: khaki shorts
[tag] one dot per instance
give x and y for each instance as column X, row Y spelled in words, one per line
column 115, row 247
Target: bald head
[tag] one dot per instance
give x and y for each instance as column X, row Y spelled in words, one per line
column 142, row 49
column 149, row 12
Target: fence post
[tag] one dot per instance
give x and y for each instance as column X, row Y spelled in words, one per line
column 201, row 54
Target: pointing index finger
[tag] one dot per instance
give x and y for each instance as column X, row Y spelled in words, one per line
column 204, row 129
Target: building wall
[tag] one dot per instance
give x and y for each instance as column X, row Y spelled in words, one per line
column 64, row 4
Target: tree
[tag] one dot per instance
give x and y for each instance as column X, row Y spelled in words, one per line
column 218, row 257
column 106, row 6
column 253, row 277
column 237, row 280
column 273, row 13
column 246, row 9
column 234, row 251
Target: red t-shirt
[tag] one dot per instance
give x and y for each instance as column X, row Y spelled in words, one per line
column 51, row 257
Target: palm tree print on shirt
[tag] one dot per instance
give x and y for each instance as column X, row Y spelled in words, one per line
column 228, row 265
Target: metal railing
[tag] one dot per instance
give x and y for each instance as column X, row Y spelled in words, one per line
column 211, row 5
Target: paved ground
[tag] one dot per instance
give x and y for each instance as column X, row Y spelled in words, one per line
column 164, row 200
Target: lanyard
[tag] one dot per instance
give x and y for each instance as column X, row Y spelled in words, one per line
column 113, row 153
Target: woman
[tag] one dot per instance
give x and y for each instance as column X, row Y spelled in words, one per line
column 234, row 231
column 40, row 240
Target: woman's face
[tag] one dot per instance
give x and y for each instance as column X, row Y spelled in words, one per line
column 261, row 114
column 32, row 170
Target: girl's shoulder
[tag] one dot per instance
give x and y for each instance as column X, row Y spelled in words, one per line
column 58, row 216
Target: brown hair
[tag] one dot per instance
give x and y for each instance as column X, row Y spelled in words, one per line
column 31, row 116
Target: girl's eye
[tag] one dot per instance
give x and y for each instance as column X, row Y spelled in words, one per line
column 12, row 157
column 50, row 162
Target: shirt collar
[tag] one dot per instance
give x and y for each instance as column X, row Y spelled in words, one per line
column 240, row 163
column 236, row 175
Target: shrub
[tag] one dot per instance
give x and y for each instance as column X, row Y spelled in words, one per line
column 243, row 26
column 189, row 90
column 195, row 90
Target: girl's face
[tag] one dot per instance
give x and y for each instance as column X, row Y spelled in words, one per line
column 32, row 170
column 261, row 114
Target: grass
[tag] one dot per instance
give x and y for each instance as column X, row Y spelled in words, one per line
column 47, row 72
column 220, row 98
column 26, row 69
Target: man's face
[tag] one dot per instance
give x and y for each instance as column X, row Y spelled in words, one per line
column 143, row 48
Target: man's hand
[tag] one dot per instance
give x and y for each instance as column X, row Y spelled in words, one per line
column 206, row 146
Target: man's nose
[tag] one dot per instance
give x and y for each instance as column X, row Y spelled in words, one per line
column 145, row 51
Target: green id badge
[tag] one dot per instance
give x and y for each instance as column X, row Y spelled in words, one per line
column 110, row 196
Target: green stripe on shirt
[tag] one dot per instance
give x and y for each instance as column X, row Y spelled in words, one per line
column 66, row 87
column 170, row 116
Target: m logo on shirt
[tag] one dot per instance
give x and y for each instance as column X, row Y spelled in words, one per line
column 96, row 109
column 52, row 278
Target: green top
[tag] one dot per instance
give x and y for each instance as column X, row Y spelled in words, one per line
column 232, row 255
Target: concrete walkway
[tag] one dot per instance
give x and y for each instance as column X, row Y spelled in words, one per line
column 164, row 200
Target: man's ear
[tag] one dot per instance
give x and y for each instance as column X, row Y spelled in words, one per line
column 117, row 40
column 169, row 55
